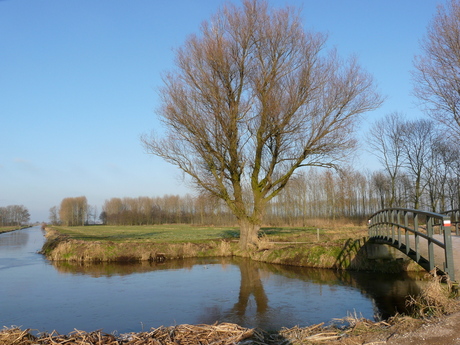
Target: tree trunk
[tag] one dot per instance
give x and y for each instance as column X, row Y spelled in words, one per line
column 248, row 234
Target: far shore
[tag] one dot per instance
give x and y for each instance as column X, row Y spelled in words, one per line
column 4, row 229
column 333, row 248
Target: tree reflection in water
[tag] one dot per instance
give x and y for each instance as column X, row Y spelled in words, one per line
column 251, row 284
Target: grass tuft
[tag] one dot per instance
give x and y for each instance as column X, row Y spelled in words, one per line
column 435, row 300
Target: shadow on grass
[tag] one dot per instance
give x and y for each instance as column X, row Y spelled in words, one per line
column 229, row 234
column 281, row 230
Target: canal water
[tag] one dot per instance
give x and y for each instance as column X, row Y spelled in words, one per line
column 45, row 296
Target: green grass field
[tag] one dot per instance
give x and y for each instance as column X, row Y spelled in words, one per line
column 148, row 233
column 186, row 233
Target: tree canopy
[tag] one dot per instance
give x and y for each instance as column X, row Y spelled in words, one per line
column 253, row 98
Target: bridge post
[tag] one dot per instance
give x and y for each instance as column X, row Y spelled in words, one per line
column 406, row 226
column 392, row 220
column 448, row 251
column 456, row 221
column 417, row 239
column 398, row 227
column 429, row 230
column 386, row 219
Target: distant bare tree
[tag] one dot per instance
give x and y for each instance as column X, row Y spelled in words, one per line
column 381, row 183
column 14, row 215
column 437, row 71
column 253, row 99
column 419, row 138
column 386, row 143
column 54, row 215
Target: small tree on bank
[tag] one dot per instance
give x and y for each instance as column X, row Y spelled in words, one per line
column 253, row 99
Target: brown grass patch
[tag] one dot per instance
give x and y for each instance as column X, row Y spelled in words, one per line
column 435, row 300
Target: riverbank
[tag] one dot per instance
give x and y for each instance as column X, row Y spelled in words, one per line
column 4, row 229
column 396, row 331
column 332, row 248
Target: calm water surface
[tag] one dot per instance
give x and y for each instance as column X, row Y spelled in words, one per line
column 44, row 296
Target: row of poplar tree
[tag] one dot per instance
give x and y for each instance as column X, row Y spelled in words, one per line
column 432, row 184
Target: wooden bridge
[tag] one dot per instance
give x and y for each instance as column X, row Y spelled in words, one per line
column 425, row 237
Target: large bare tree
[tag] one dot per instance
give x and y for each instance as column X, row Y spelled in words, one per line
column 437, row 71
column 253, row 98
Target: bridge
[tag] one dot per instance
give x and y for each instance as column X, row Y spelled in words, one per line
column 425, row 237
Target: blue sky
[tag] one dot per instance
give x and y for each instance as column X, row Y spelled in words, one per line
column 79, row 80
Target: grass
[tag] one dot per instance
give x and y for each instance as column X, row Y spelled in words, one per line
column 9, row 228
column 282, row 245
column 148, row 233
column 174, row 233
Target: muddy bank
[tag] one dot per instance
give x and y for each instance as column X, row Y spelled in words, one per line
column 352, row 254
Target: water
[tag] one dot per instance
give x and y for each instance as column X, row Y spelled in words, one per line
column 44, row 296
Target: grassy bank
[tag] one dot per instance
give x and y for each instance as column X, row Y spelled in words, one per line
column 333, row 247
column 11, row 228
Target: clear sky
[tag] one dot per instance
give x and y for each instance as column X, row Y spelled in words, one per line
column 79, row 80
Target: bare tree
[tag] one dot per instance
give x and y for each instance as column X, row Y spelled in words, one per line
column 54, row 215
column 437, row 71
column 419, row 137
column 253, row 99
column 14, row 215
column 381, row 183
column 386, row 143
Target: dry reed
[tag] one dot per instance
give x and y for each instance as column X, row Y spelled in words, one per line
column 217, row 334
column 435, row 299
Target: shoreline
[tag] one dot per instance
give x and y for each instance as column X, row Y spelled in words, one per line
column 396, row 331
column 344, row 254
column 2, row 231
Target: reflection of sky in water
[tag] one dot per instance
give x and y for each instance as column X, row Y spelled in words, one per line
column 34, row 294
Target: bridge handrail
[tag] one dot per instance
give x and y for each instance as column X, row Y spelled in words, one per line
column 421, row 234
column 386, row 225
column 411, row 210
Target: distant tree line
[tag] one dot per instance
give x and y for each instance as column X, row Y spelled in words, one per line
column 313, row 193
column 14, row 215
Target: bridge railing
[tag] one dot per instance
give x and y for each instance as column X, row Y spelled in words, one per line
column 403, row 228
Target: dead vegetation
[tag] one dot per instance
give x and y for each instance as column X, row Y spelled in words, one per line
column 218, row 334
column 435, row 300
